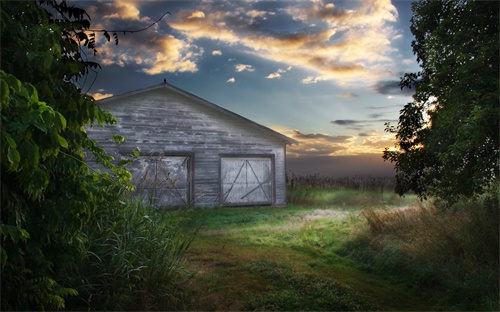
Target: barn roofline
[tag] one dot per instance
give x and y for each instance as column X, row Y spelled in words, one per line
column 202, row 101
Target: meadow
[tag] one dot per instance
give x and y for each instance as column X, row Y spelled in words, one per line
column 346, row 244
column 343, row 246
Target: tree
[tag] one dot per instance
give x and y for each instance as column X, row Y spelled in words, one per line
column 47, row 190
column 448, row 137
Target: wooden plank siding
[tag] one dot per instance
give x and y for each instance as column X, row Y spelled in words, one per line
column 164, row 120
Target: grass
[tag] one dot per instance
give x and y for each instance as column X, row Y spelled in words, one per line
column 455, row 251
column 134, row 259
column 343, row 250
column 268, row 258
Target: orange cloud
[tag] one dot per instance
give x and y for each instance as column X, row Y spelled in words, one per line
column 354, row 47
column 99, row 96
column 321, row 144
column 127, row 10
column 196, row 14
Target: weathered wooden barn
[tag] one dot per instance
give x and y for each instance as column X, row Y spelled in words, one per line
column 193, row 152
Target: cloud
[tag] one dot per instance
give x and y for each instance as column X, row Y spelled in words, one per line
column 273, row 75
column 126, row 10
column 277, row 74
column 257, row 13
column 347, row 122
column 231, row 80
column 368, row 133
column 151, row 52
column 320, row 136
column 312, row 79
column 196, row 14
column 391, row 87
column 349, row 95
column 360, row 125
column 321, row 144
column 216, row 52
column 375, row 115
column 316, row 144
column 350, row 122
column 173, row 55
column 354, row 46
column 350, row 43
column 99, row 96
column 242, row 67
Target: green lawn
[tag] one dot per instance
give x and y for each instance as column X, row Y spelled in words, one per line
column 294, row 258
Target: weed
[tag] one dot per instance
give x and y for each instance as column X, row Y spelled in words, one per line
column 453, row 250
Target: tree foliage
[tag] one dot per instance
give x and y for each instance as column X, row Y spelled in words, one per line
column 47, row 190
column 448, row 137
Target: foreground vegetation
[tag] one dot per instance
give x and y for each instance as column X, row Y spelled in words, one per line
column 333, row 254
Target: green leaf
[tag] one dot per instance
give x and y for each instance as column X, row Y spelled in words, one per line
column 10, row 140
column 136, row 153
column 61, row 120
column 5, row 93
column 62, row 141
column 13, row 157
column 13, row 82
column 47, row 61
column 118, row 138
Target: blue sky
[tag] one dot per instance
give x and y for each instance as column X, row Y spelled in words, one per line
column 324, row 72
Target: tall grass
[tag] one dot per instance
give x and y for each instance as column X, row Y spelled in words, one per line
column 455, row 251
column 134, row 259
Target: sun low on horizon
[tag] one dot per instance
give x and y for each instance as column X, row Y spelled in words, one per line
column 325, row 73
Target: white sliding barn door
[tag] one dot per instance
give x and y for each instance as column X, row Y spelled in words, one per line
column 247, row 181
column 163, row 180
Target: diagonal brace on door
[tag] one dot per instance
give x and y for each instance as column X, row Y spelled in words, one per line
column 226, row 195
column 258, row 186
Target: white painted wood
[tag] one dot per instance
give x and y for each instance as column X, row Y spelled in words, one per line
column 165, row 120
column 246, row 181
column 162, row 180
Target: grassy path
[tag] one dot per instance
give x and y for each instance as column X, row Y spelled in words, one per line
column 286, row 259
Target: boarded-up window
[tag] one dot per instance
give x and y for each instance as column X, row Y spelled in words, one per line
column 163, row 180
column 247, row 180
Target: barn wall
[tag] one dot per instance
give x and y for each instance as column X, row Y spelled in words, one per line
column 163, row 122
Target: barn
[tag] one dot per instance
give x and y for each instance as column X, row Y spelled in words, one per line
column 193, row 152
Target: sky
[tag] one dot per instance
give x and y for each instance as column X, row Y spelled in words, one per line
column 323, row 72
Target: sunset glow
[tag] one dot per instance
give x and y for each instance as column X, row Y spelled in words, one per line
column 323, row 72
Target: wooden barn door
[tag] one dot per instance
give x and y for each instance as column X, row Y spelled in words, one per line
column 247, row 181
column 165, row 181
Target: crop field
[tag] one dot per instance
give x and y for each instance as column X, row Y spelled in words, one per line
column 333, row 249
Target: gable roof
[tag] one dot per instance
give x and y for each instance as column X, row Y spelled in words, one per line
column 206, row 103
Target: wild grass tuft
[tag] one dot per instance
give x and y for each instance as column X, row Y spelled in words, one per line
column 455, row 250
column 134, row 259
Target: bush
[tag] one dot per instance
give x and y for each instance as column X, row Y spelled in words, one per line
column 134, row 259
